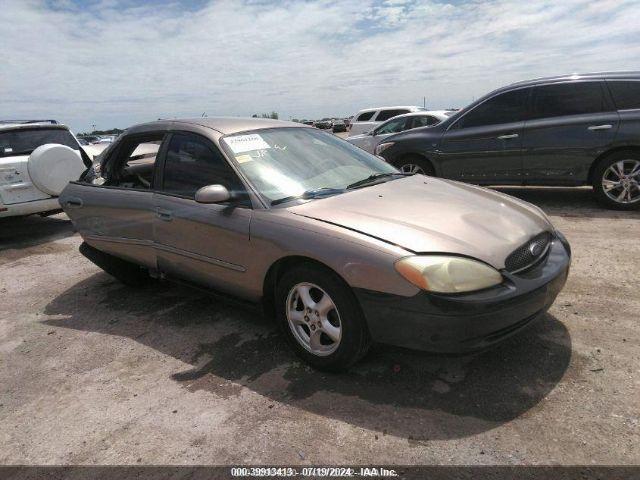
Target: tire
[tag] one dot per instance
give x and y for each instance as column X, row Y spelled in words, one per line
column 607, row 172
column 126, row 272
column 414, row 164
column 345, row 316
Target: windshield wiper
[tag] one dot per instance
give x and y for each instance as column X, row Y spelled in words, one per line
column 316, row 192
column 374, row 177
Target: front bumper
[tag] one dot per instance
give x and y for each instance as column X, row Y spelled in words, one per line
column 467, row 322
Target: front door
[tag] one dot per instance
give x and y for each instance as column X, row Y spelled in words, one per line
column 571, row 124
column 203, row 243
column 485, row 144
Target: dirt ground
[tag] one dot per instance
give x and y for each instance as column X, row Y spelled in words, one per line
column 92, row 372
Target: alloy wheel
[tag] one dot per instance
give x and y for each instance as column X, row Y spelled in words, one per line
column 412, row 168
column 314, row 319
column 621, row 181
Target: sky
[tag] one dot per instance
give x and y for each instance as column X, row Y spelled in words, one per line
column 114, row 63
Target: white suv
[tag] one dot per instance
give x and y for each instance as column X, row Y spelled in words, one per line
column 365, row 120
column 35, row 166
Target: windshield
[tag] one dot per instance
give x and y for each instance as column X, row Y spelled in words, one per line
column 287, row 162
column 23, row 142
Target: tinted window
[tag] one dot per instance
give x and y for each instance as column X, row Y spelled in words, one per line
column 23, row 142
column 387, row 114
column 392, row 126
column 506, row 107
column 363, row 117
column 626, row 95
column 423, row 121
column 192, row 163
column 568, row 99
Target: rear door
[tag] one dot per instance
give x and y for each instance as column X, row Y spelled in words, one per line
column 117, row 216
column 203, row 243
column 570, row 125
column 485, row 144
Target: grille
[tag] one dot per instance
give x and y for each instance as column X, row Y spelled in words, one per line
column 529, row 253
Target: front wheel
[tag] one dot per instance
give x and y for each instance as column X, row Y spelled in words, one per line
column 616, row 181
column 414, row 164
column 321, row 318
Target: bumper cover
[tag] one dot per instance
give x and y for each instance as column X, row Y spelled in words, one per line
column 467, row 322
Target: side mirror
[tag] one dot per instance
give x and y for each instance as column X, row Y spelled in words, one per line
column 213, row 194
column 372, row 133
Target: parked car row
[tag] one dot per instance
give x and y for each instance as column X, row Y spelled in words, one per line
column 563, row 131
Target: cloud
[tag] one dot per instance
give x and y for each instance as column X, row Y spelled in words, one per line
column 118, row 62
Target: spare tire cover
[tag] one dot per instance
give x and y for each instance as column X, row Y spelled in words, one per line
column 52, row 166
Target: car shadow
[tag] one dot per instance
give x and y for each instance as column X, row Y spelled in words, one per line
column 23, row 236
column 567, row 201
column 409, row 394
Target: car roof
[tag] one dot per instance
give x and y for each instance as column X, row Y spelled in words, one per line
column 375, row 109
column 223, row 125
column 576, row 76
column 31, row 126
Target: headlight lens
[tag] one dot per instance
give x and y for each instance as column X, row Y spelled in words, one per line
column 382, row 147
column 447, row 274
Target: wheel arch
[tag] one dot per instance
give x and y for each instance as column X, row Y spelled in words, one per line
column 634, row 149
column 422, row 156
column 275, row 272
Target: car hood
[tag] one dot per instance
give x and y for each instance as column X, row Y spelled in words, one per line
column 426, row 214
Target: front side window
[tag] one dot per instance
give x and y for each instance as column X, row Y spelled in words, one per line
column 387, row 114
column 289, row 161
column 626, row 94
column 25, row 141
column 364, row 117
column 392, row 126
column 505, row 107
column 576, row 98
column 192, row 163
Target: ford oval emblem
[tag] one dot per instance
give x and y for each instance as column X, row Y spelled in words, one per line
column 535, row 249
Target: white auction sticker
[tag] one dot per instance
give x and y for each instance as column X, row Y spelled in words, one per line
column 246, row 143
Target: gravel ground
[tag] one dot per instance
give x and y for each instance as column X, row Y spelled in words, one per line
column 92, row 372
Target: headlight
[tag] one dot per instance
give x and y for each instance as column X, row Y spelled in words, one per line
column 447, row 274
column 382, row 147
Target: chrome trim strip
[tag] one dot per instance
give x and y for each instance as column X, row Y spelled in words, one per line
column 166, row 248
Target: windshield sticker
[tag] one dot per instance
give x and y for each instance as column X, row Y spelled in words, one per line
column 246, row 143
column 244, row 158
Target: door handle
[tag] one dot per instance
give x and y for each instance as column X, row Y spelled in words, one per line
column 162, row 214
column 600, row 127
column 508, row 136
column 73, row 203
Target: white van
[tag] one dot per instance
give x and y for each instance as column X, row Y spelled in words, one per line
column 367, row 119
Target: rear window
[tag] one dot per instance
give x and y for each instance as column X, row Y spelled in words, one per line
column 626, row 95
column 363, row 117
column 387, row 114
column 577, row 98
column 23, row 142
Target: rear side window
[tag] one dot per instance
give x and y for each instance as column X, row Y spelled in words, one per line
column 387, row 114
column 563, row 99
column 366, row 116
column 192, row 163
column 392, row 126
column 423, row 121
column 134, row 163
column 23, row 142
column 626, row 95
column 506, row 107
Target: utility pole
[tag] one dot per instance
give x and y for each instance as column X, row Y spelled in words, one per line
column 424, row 102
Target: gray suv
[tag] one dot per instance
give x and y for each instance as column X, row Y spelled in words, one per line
column 562, row 131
